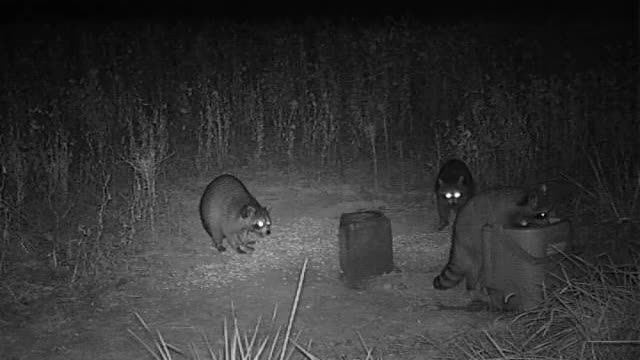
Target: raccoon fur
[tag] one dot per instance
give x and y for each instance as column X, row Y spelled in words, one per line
column 535, row 220
column 454, row 187
column 228, row 210
column 545, row 210
column 504, row 206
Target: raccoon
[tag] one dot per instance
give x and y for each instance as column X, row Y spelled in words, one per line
column 536, row 220
column 497, row 206
column 228, row 210
column 454, row 187
column 540, row 218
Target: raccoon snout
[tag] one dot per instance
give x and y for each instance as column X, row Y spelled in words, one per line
column 268, row 232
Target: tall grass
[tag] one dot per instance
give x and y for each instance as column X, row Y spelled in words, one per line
column 102, row 111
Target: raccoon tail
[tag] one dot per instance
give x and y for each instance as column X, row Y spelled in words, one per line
column 448, row 278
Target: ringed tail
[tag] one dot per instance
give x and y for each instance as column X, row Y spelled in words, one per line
column 448, row 278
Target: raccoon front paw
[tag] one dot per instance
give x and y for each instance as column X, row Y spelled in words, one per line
column 244, row 249
column 221, row 248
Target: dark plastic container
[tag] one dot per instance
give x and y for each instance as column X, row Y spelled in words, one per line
column 366, row 248
column 518, row 261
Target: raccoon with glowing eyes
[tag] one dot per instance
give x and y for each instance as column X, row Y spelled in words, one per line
column 228, row 211
column 454, row 187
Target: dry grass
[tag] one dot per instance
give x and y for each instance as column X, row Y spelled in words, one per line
column 237, row 344
column 593, row 315
column 240, row 344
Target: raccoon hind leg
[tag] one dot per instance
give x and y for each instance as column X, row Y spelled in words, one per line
column 476, row 289
column 449, row 277
column 472, row 279
column 217, row 241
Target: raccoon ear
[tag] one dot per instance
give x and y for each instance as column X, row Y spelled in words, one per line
column 440, row 182
column 541, row 192
column 247, row 211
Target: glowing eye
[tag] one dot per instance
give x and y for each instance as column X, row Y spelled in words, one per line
column 260, row 223
column 456, row 194
column 448, row 195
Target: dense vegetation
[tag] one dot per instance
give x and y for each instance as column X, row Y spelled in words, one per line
column 91, row 113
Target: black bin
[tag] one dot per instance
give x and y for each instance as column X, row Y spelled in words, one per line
column 366, row 248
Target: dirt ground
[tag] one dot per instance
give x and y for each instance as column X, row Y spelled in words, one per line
column 184, row 288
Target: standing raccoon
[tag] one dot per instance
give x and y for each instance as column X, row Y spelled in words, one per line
column 492, row 207
column 454, row 187
column 228, row 210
